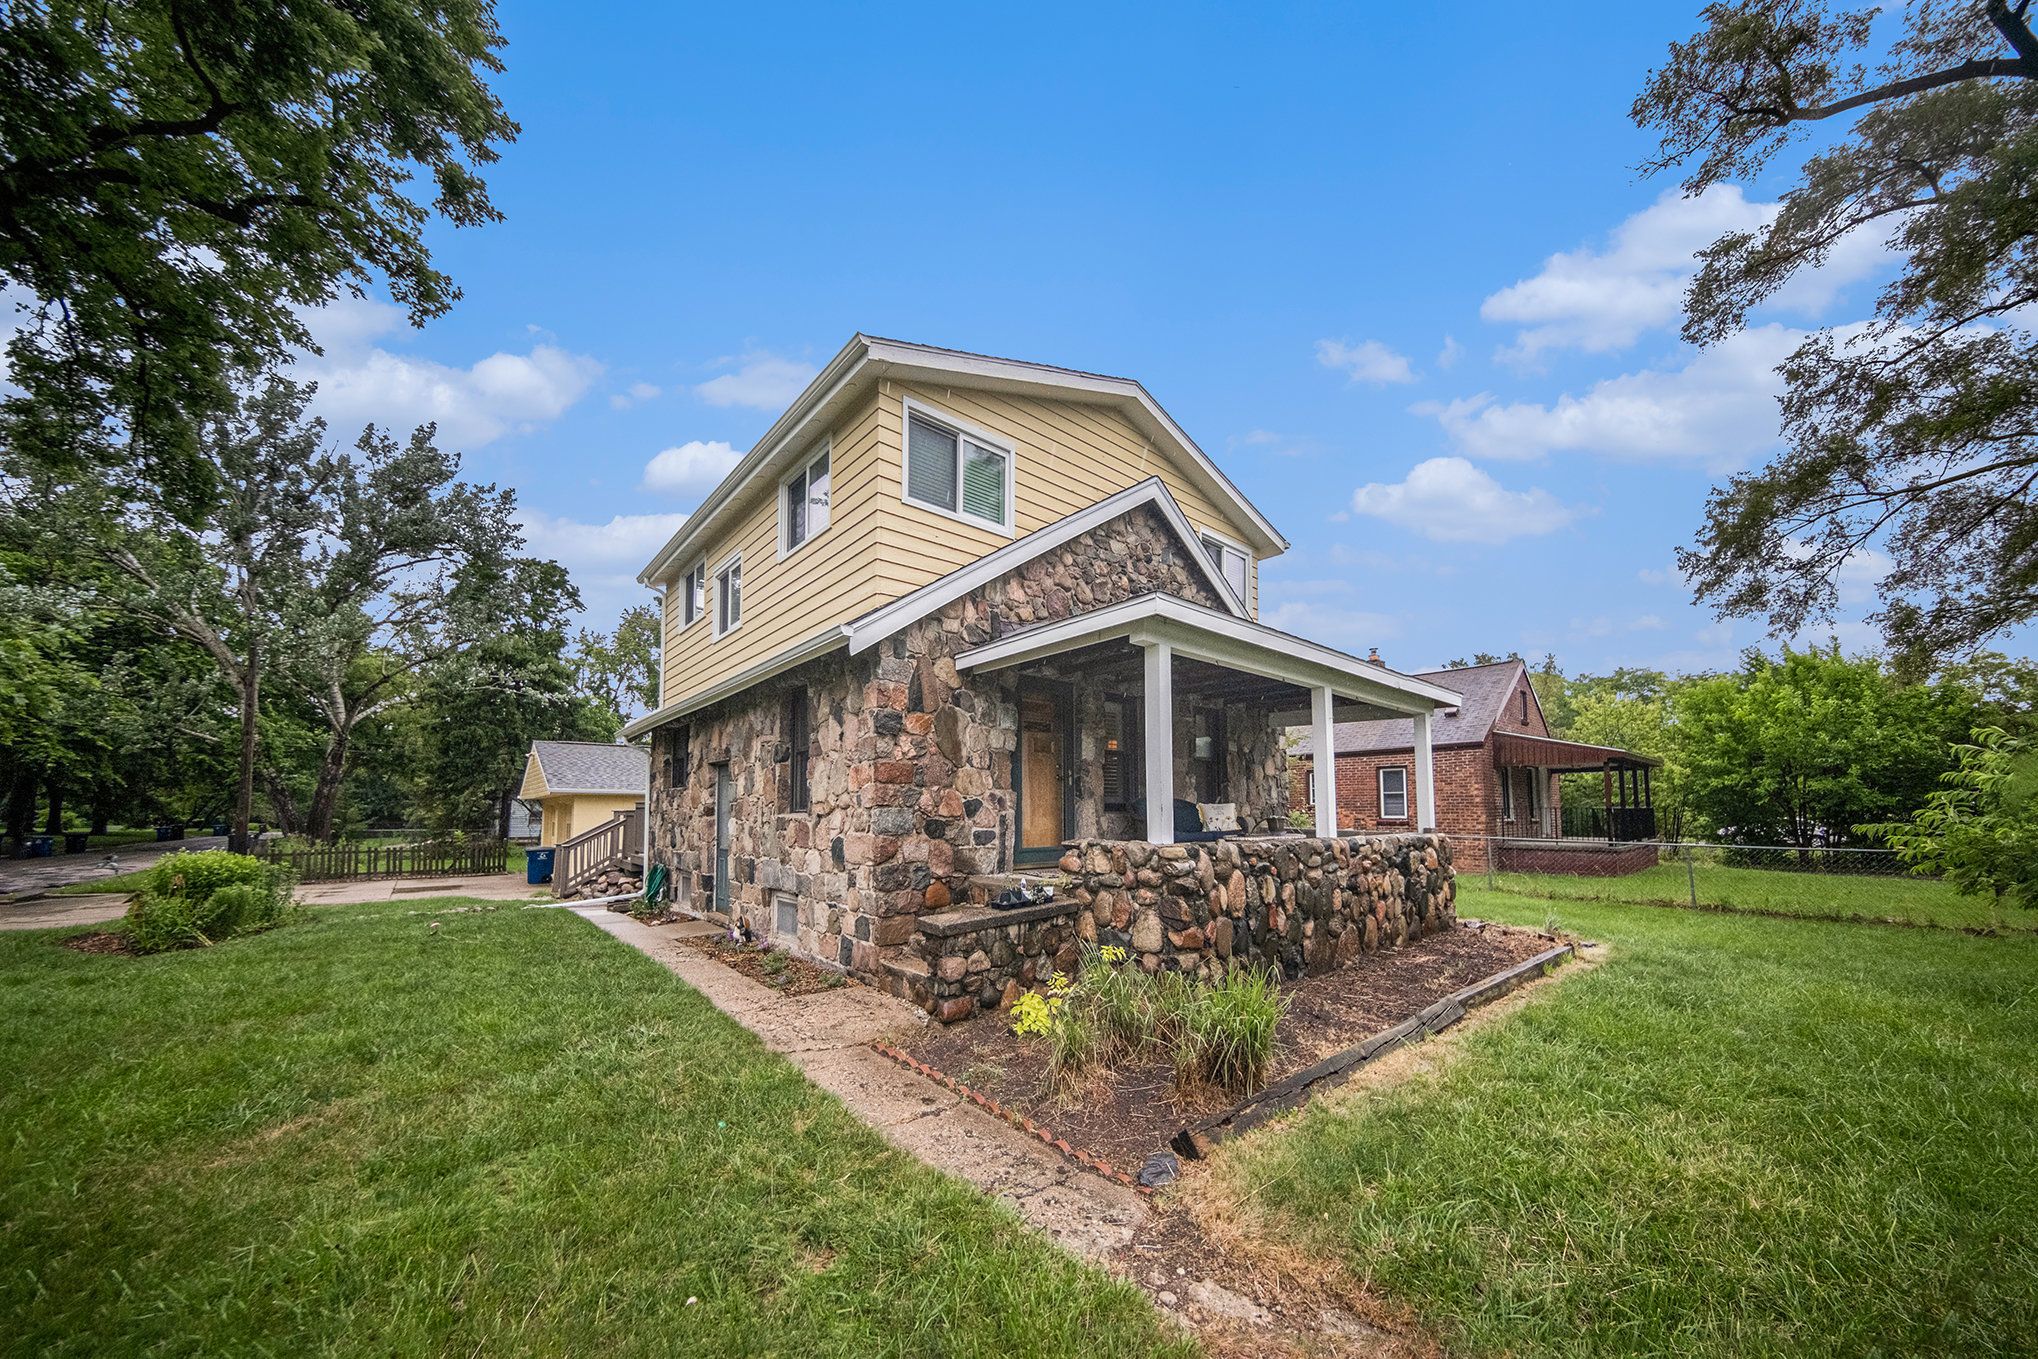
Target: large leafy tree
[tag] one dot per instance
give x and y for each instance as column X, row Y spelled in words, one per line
column 1919, row 433
column 180, row 178
column 618, row 671
column 1980, row 830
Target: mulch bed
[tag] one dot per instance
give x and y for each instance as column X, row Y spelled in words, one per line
column 102, row 941
column 776, row 968
column 1127, row 1113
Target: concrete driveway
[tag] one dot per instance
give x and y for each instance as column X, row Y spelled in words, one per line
column 26, row 877
column 49, row 913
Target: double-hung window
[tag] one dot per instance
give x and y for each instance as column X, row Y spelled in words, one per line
column 1394, row 793
column 729, row 596
column 1229, row 559
column 693, row 593
column 957, row 472
column 803, row 503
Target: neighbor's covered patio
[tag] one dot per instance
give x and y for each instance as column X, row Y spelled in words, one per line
column 1129, row 714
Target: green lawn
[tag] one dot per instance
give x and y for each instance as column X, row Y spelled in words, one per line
column 357, row 1135
column 1916, row 901
column 1739, row 1136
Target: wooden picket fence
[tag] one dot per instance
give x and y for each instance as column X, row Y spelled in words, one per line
column 371, row 859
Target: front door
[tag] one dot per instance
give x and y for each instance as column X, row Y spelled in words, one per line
column 724, row 794
column 1043, row 767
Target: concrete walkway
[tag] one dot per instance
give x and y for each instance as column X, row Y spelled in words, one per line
column 825, row 1034
column 24, row 877
column 54, row 913
column 487, row 886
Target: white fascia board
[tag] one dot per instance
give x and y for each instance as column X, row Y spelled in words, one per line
column 820, row 644
column 903, row 359
column 788, row 430
column 1235, row 643
column 874, row 627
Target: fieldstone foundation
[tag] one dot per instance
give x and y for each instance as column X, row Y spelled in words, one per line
column 1298, row 904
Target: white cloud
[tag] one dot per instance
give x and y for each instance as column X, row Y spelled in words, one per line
column 1448, row 356
column 1653, row 575
column 1647, row 622
column 1282, row 445
column 635, row 393
column 762, row 381
column 1451, row 501
column 1367, row 361
column 1718, row 410
column 1598, row 300
column 360, row 381
column 694, row 465
column 602, row 558
column 1351, row 630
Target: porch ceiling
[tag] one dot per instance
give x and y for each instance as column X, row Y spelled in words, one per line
column 1218, row 654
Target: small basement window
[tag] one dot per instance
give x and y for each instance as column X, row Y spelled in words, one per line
column 785, row 917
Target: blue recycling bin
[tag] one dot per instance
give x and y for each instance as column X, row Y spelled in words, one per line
column 41, row 846
column 538, row 865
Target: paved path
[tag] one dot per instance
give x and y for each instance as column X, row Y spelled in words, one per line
column 825, row 1034
column 487, row 886
column 51, row 913
column 22, row 876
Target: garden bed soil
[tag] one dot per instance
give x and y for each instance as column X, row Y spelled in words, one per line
column 776, row 968
column 1127, row 1113
column 100, row 941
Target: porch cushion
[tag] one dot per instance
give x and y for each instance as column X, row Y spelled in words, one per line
column 1218, row 816
column 1188, row 820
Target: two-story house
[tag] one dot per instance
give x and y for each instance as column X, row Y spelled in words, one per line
column 954, row 617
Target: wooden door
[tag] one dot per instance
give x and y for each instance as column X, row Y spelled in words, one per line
column 1043, row 767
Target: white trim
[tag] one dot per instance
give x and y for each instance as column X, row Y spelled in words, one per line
column 1157, row 703
column 1236, row 643
column 962, row 429
column 866, row 357
column 1320, row 702
column 1380, row 777
column 1426, row 784
column 820, row 644
column 734, row 559
column 824, row 449
column 700, row 601
column 880, row 623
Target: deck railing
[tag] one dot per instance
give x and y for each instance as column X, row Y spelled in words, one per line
column 586, row 854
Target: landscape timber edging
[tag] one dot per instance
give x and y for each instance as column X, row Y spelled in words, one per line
column 1075, row 1155
column 1198, row 1139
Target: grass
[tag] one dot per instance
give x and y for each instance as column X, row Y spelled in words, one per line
column 1914, row 901
column 363, row 1135
column 1738, row 1136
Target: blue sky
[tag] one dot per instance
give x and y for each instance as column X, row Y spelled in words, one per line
column 1391, row 267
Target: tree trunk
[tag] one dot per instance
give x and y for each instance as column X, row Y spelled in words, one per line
column 502, row 817
column 238, row 838
column 21, row 806
column 55, row 823
column 325, row 797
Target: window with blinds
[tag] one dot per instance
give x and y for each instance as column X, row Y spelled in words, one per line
column 949, row 471
column 1121, row 755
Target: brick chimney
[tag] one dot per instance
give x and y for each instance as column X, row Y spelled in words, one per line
column 1373, row 655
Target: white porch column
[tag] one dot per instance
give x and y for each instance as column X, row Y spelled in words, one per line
column 1158, row 701
column 1321, row 732
column 1425, row 777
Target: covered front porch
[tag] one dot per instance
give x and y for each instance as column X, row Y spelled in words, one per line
column 1162, row 721
column 1538, row 829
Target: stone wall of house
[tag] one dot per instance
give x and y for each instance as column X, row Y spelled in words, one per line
column 910, row 767
column 1298, row 904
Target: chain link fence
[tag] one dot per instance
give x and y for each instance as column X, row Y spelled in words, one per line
column 1817, row 882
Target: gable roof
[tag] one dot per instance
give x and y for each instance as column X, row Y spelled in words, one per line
column 591, row 767
column 866, row 359
column 880, row 623
column 1484, row 690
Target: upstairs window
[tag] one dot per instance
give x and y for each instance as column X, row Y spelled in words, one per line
column 803, row 504
column 1394, row 793
column 798, row 735
column 693, row 593
column 956, row 472
column 729, row 596
column 1229, row 559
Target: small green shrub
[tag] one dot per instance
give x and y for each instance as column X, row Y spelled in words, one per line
column 196, row 876
column 196, row 899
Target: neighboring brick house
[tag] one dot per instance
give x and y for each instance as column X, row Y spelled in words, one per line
column 1498, row 779
column 955, row 618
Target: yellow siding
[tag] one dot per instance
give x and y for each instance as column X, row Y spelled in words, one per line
column 876, row 548
column 571, row 814
column 534, row 779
